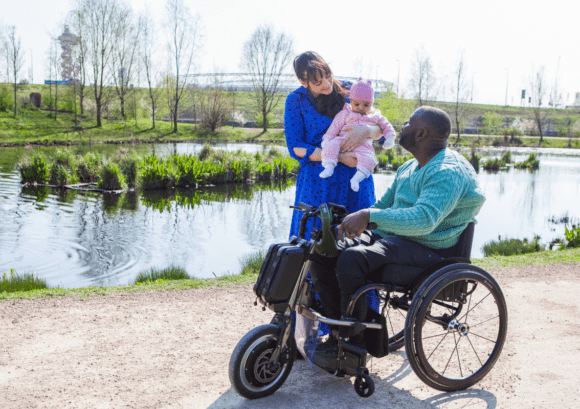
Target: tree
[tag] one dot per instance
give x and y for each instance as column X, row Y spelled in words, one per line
column 183, row 36
column 460, row 94
column 124, row 56
column 152, row 72
column 79, row 56
column 100, row 19
column 54, row 61
column 422, row 79
column 14, row 60
column 538, row 93
column 214, row 104
column 265, row 57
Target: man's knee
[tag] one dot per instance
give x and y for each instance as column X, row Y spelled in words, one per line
column 351, row 265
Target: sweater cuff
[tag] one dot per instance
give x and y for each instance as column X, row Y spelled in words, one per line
column 309, row 151
column 374, row 215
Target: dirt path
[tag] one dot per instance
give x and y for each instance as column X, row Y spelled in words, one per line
column 171, row 350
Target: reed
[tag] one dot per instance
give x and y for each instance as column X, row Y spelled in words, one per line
column 169, row 273
column 15, row 282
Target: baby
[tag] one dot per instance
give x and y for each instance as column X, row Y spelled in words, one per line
column 359, row 112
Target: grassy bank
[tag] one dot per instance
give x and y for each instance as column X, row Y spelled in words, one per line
column 488, row 263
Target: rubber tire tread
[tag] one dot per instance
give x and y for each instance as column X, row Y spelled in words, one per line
column 240, row 350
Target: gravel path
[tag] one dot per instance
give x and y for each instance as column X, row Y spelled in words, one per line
column 171, row 350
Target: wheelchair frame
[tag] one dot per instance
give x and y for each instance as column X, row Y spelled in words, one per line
column 264, row 357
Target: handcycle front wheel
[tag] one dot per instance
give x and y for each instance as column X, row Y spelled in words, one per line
column 249, row 370
column 451, row 345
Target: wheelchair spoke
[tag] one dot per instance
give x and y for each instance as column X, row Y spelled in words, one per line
column 473, row 333
column 475, row 306
column 483, row 322
column 452, row 352
column 390, row 323
column 472, row 347
column 458, row 360
column 435, row 336
column 468, row 305
column 445, row 335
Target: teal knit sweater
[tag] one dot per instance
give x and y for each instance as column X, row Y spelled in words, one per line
column 431, row 205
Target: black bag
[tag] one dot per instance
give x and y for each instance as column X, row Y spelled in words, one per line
column 377, row 341
column 279, row 273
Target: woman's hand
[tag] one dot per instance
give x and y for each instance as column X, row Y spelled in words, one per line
column 357, row 135
column 348, row 158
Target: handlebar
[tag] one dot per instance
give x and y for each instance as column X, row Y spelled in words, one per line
column 331, row 215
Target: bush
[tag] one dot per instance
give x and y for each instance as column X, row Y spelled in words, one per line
column 572, row 236
column 112, row 178
column 89, row 168
column 506, row 157
column 510, row 247
column 35, row 170
column 532, row 162
column 6, row 99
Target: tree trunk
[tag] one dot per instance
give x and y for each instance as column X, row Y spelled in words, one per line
column 99, row 122
column 15, row 103
column 55, row 101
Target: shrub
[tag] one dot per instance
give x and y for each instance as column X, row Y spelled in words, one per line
column 206, row 152
column 112, row 178
column 510, row 247
column 493, row 164
column 35, row 170
column 89, row 168
column 572, row 236
column 506, row 157
column 531, row 162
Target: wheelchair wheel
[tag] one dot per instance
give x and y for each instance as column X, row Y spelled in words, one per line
column 249, row 373
column 396, row 314
column 456, row 327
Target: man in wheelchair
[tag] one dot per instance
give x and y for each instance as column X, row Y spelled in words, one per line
column 420, row 218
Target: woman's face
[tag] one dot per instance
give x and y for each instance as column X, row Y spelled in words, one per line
column 321, row 85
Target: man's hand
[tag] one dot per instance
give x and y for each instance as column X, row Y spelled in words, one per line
column 354, row 224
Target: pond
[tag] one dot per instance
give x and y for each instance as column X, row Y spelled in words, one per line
column 78, row 239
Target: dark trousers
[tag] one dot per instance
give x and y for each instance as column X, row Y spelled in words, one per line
column 337, row 279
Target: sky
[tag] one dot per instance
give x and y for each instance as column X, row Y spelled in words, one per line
column 504, row 41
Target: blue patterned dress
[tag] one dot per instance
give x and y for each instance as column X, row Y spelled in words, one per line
column 304, row 128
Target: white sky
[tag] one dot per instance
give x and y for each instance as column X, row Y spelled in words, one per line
column 503, row 40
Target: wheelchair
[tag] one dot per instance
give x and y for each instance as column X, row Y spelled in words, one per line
column 451, row 317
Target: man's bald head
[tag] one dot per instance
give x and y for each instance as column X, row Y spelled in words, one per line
column 436, row 121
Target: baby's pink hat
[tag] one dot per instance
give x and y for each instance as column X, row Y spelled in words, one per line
column 362, row 91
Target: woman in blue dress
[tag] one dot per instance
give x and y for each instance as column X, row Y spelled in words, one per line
column 309, row 112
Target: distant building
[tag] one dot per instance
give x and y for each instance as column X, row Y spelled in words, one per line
column 577, row 100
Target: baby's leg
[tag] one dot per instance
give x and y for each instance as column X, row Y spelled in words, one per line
column 366, row 163
column 330, row 149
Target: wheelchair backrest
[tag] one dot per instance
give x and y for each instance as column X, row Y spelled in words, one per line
column 463, row 246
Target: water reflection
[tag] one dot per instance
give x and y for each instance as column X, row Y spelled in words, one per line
column 78, row 238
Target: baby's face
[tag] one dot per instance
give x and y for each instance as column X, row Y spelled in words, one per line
column 361, row 107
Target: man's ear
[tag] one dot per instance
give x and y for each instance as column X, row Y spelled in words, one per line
column 422, row 134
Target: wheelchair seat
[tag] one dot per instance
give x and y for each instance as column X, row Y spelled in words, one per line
column 404, row 275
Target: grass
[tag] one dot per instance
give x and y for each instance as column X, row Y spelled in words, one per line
column 20, row 283
column 510, row 247
column 169, row 273
column 520, row 261
column 252, row 263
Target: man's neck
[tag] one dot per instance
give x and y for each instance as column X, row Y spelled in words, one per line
column 424, row 157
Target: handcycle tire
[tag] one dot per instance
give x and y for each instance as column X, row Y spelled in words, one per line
column 249, row 375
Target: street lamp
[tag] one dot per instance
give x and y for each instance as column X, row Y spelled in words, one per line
column 506, row 85
column 398, row 72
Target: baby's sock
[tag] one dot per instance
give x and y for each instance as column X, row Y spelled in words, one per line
column 358, row 177
column 328, row 171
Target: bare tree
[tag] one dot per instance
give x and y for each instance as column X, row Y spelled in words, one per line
column 152, row 72
column 54, row 61
column 100, row 19
column 422, row 79
column 183, row 35
column 79, row 57
column 214, row 105
column 460, row 93
column 538, row 89
column 265, row 57
column 15, row 60
column 124, row 56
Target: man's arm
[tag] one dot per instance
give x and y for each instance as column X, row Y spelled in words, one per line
column 439, row 197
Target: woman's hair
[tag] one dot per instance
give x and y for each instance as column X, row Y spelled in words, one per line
column 310, row 66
